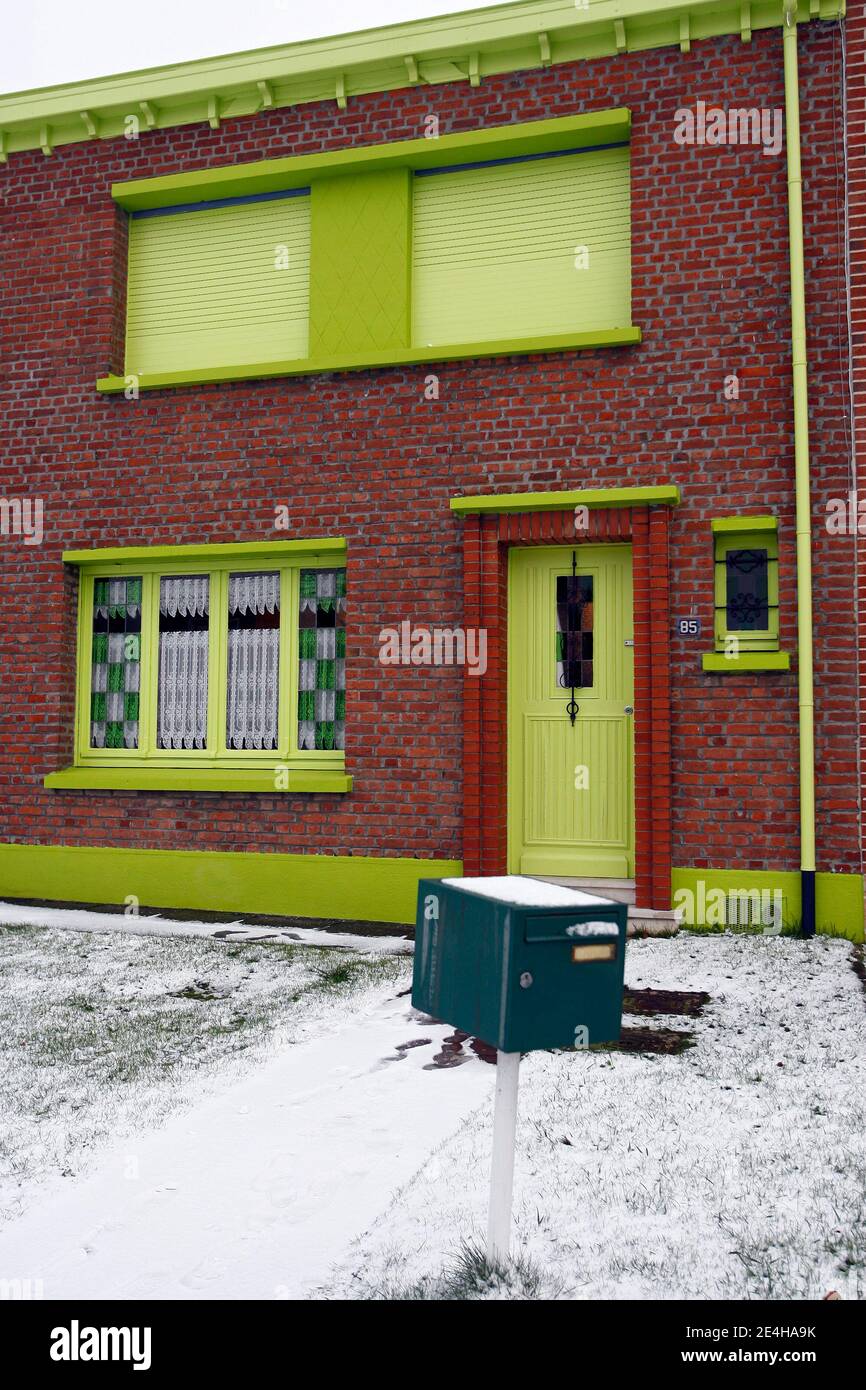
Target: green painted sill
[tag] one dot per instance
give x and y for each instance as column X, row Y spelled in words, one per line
column 388, row 357
column 177, row 779
column 665, row 495
column 746, row 661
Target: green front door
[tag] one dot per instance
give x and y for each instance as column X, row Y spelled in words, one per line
column 570, row 726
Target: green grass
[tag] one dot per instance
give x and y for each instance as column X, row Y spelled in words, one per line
column 105, row 1034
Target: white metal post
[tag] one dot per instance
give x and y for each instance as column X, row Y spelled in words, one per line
column 502, row 1165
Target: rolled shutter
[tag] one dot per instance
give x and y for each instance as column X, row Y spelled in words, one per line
column 223, row 286
column 496, row 249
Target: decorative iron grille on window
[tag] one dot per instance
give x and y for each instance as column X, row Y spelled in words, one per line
column 746, row 589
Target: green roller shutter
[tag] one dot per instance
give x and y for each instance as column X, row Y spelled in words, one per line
column 496, row 249
column 221, row 287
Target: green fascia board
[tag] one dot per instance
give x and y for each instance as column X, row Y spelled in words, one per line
column 173, row 779
column 145, row 554
column 372, row 359
column 744, row 523
column 297, row 171
column 746, row 661
column 666, row 496
column 342, row 887
column 838, row 897
column 464, row 47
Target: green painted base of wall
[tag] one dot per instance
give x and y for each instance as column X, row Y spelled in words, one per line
column 838, row 897
column 345, row 887
column 288, row 885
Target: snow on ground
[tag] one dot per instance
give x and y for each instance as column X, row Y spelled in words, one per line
column 255, row 1192
column 142, row 924
column 101, row 1035
column 736, row 1169
column 349, row 1165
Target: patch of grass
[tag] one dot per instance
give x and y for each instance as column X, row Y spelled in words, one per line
column 471, row 1277
column 106, row 1034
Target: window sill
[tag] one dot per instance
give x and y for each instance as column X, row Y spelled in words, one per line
column 746, row 661
column 174, row 779
column 390, row 357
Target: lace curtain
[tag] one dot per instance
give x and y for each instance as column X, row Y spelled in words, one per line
column 184, row 604
column 253, row 661
column 115, row 663
column 322, row 659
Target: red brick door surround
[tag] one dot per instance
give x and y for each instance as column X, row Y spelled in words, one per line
column 486, row 542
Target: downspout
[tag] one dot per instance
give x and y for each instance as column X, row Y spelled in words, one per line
column 800, row 383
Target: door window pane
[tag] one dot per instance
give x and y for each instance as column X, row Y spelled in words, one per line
column 574, row 630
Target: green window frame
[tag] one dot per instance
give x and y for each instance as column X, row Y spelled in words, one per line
column 217, row 765
column 745, row 596
column 371, row 300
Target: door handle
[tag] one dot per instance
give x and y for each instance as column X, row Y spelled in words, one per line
column 629, row 709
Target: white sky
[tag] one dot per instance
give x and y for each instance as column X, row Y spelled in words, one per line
column 51, row 41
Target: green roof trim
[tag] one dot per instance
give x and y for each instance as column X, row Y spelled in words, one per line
column 390, row 357
column 297, row 171
column 665, row 495
column 469, row 46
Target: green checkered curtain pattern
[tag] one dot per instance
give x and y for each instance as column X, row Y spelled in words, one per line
column 116, row 663
column 322, row 659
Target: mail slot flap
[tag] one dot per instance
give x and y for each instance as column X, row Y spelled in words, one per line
column 571, row 928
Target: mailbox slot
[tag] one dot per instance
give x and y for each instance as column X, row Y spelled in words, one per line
column 570, row 928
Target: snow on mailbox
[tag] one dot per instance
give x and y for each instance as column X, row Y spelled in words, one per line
column 523, row 965
column 518, row 963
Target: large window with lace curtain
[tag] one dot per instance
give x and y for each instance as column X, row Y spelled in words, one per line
column 218, row 664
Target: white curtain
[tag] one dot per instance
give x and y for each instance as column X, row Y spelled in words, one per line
column 182, row 689
column 254, row 593
column 186, row 595
column 253, row 687
column 183, row 660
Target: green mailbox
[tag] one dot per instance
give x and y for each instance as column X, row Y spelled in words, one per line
column 518, row 963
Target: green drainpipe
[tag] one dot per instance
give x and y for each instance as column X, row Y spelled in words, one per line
column 801, row 469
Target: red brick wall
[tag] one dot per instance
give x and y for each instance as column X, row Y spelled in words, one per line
column 366, row 456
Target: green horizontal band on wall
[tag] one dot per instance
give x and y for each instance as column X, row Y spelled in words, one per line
column 203, row 779
column 366, row 360
column 746, row 661
column 288, row 885
column 296, row 171
column 666, row 495
column 325, row 546
column 746, row 524
column 838, row 897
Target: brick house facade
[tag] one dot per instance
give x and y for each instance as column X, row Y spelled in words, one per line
column 372, row 456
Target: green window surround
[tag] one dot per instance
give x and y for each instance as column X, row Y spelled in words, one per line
column 211, row 668
column 746, row 596
column 488, row 243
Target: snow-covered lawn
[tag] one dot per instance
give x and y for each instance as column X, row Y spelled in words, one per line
column 185, row 1117
column 735, row 1169
column 102, row 1035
